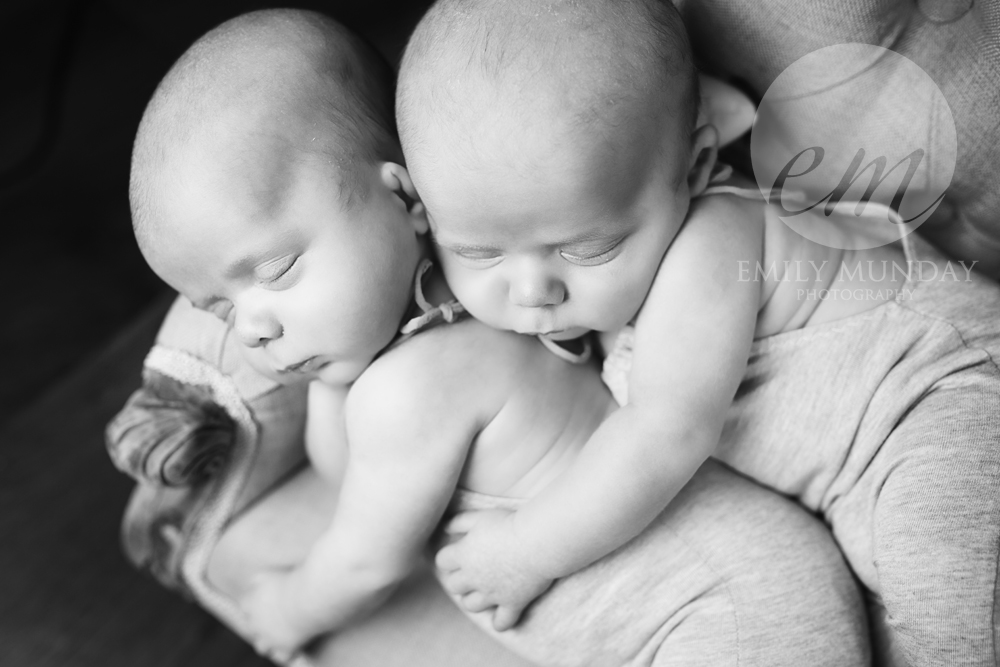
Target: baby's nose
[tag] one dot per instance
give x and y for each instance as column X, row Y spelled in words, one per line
column 536, row 291
column 256, row 329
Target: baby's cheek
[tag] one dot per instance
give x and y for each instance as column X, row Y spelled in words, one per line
column 492, row 307
column 458, row 277
column 343, row 373
column 615, row 303
column 474, row 290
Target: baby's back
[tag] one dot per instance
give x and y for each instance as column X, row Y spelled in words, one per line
column 532, row 411
column 830, row 276
column 815, row 268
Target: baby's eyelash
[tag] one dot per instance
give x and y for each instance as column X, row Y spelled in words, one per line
column 480, row 257
column 280, row 271
column 478, row 254
column 601, row 256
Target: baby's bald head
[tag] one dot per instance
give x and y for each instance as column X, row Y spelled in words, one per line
column 601, row 66
column 257, row 94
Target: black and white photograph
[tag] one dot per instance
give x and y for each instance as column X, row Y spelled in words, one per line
column 500, row 333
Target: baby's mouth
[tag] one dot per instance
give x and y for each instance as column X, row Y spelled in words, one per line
column 569, row 333
column 538, row 331
column 310, row 365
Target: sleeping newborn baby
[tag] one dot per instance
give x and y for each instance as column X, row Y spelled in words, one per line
column 268, row 188
column 570, row 190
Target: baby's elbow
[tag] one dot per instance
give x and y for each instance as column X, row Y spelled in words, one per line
column 698, row 444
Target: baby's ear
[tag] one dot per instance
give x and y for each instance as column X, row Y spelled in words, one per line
column 704, row 150
column 397, row 179
column 726, row 107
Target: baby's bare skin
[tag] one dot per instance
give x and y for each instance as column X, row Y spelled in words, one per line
column 461, row 405
column 578, row 198
column 306, row 240
column 795, row 269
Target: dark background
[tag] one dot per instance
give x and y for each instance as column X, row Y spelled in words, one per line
column 80, row 308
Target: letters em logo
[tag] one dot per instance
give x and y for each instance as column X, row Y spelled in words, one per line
column 858, row 133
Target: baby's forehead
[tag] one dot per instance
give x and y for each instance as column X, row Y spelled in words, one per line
column 206, row 204
column 601, row 66
column 224, row 166
column 273, row 83
column 539, row 146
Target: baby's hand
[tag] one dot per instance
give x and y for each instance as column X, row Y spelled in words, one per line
column 487, row 569
column 276, row 625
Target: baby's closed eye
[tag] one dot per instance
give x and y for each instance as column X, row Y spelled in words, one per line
column 278, row 273
column 477, row 256
column 591, row 254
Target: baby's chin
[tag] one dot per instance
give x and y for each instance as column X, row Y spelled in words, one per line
column 263, row 365
column 335, row 375
column 341, row 373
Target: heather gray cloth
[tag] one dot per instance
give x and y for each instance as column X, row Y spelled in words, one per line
column 888, row 424
column 729, row 574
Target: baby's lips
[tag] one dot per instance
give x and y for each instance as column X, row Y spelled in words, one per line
column 309, row 365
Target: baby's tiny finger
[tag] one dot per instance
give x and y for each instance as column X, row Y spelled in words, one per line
column 461, row 523
column 456, row 583
column 446, row 560
column 504, row 618
column 475, row 602
column 261, row 647
column 280, row 656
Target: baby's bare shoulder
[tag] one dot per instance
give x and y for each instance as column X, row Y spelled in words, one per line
column 720, row 232
column 723, row 213
column 462, row 371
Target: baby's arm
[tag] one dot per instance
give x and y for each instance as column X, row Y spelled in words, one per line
column 402, row 469
column 692, row 342
column 326, row 431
